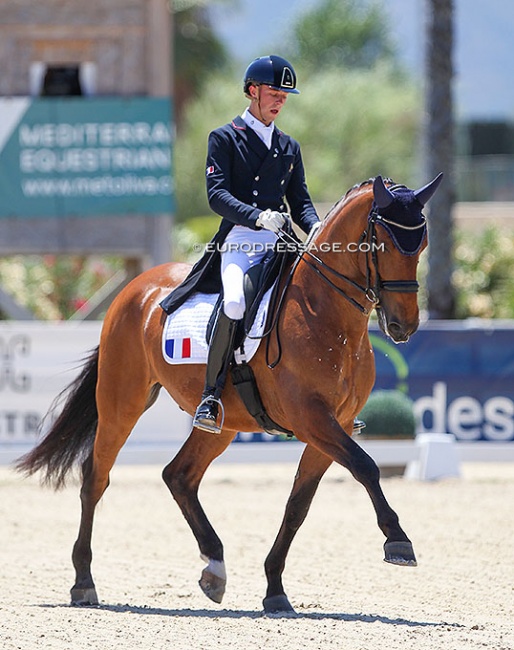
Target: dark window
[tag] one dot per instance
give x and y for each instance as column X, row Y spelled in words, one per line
column 491, row 138
column 61, row 80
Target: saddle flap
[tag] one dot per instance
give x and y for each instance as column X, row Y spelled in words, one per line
column 260, row 279
column 213, row 318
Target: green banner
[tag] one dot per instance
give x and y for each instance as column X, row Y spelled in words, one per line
column 85, row 156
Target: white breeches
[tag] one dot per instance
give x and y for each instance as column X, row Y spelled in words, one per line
column 243, row 248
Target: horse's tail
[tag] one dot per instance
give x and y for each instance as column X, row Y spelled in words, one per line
column 71, row 437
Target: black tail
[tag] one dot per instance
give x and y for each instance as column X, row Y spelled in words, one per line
column 71, row 437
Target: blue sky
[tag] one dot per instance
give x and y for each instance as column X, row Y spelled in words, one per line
column 484, row 44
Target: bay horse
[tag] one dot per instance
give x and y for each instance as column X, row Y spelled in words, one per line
column 363, row 257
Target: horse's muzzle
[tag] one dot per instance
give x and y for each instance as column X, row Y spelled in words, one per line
column 400, row 333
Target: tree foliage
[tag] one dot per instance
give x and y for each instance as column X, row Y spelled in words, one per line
column 197, row 52
column 357, row 115
column 351, row 125
column 348, row 33
column 354, row 124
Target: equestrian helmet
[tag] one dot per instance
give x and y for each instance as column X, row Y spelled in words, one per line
column 273, row 71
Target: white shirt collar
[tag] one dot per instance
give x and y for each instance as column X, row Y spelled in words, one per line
column 264, row 132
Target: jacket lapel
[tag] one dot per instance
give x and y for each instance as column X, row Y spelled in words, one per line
column 267, row 157
column 249, row 136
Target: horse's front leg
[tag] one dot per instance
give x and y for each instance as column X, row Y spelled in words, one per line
column 330, row 438
column 183, row 476
column 312, row 467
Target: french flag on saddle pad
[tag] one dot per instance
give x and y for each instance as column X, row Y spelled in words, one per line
column 183, row 334
column 178, row 349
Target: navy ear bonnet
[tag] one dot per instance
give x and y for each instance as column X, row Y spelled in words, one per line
column 400, row 211
column 405, row 210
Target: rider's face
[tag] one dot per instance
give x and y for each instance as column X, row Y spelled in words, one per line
column 266, row 103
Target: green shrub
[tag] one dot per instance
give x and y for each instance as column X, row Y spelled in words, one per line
column 389, row 413
column 484, row 267
column 190, row 236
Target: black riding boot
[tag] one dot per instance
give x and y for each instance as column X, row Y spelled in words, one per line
column 218, row 360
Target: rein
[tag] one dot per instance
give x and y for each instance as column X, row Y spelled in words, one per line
column 371, row 291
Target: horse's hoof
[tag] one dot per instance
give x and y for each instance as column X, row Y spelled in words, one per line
column 277, row 605
column 84, row 596
column 400, row 553
column 212, row 586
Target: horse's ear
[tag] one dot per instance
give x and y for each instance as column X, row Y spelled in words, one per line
column 424, row 194
column 383, row 197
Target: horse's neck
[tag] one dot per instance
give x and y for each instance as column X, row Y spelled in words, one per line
column 337, row 247
column 339, row 239
column 348, row 218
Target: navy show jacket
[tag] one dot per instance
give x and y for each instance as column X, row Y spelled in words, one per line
column 244, row 178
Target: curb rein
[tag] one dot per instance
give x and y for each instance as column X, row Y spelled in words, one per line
column 370, row 291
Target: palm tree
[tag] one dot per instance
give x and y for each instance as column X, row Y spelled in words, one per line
column 439, row 153
column 198, row 51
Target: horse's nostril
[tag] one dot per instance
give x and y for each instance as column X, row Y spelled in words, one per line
column 394, row 328
column 397, row 332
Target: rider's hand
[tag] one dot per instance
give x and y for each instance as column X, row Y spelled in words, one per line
column 271, row 220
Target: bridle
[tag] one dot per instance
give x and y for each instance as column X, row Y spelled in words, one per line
column 371, row 291
column 369, row 241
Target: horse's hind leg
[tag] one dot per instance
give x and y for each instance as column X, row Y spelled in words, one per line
column 83, row 591
column 312, row 467
column 183, row 476
column 123, row 410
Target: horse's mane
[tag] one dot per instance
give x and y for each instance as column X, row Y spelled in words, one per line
column 353, row 190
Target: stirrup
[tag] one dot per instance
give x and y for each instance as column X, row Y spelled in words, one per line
column 209, row 424
column 358, row 426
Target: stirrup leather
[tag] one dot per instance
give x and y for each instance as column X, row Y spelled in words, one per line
column 207, row 421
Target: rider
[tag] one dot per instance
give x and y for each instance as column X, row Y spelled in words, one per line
column 255, row 179
column 254, row 172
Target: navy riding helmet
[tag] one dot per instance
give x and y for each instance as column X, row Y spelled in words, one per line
column 273, row 71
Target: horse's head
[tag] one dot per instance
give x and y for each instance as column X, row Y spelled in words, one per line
column 397, row 235
column 382, row 232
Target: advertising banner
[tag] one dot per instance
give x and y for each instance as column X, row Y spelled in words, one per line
column 460, row 377
column 37, row 361
column 83, row 156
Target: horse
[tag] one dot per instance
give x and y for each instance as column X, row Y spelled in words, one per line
column 363, row 257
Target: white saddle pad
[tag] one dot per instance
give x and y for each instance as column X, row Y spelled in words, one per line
column 183, row 338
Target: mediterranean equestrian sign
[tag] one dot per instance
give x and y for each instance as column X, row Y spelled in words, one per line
column 78, row 157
